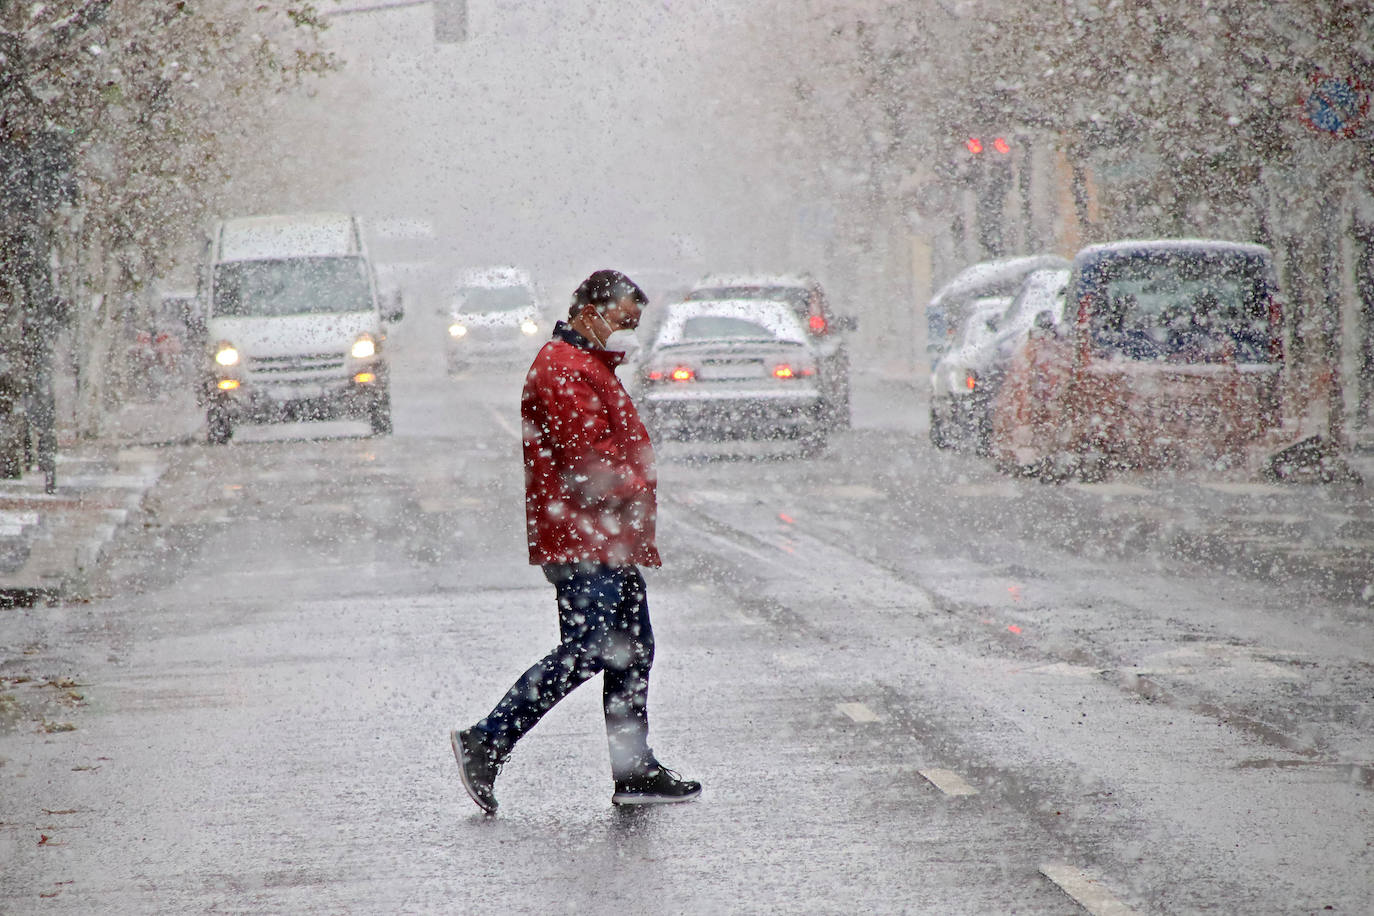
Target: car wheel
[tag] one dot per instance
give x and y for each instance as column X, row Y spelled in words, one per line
column 982, row 437
column 379, row 415
column 838, row 411
column 813, row 444
column 219, row 428
column 939, row 434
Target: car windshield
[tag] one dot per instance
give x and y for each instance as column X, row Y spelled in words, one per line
column 482, row 299
column 291, row 286
column 715, row 327
column 1183, row 306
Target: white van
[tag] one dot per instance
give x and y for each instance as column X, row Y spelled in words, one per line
column 294, row 326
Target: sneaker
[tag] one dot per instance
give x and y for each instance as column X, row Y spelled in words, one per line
column 655, row 785
column 478, row 767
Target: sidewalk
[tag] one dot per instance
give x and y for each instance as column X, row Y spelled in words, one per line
column 51, row 544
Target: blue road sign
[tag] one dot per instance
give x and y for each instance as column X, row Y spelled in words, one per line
column 1335, row 105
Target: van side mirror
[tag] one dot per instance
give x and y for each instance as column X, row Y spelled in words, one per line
column 395, row 309
column 1044, row 324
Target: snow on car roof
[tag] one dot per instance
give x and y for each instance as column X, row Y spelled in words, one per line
column 251, row 238
column 775, row 317
column 715, row 280
column 991, row 271
column 1129, row 245
column 494, row 276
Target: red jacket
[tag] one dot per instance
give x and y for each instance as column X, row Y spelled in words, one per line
column 590, row 488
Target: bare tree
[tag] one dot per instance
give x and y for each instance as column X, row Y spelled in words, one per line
column 142, row 108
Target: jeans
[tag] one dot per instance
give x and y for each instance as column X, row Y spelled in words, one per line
column 603, row 621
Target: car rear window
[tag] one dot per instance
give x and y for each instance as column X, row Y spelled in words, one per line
column 695, row 322
column 793, row 296
column 1182, row 306
column 714, row 327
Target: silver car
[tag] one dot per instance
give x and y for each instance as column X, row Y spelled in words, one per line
column 733, row 369
column 958, row 399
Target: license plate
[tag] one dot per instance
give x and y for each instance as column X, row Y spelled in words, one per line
column 294, row 392
column 732, row 371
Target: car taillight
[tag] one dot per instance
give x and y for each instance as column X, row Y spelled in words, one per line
column 787, row 370
column 971, row 380
column 682, row 374
column 817, row 324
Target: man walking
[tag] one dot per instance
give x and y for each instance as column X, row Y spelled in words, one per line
column 589, row 513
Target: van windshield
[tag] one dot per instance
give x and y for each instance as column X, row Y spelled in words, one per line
column 1181, row 306
column 292, row 286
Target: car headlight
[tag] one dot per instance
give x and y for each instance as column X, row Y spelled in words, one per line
column 457, row 330
column 363, row 347
column 226, row 355
column 528, row 327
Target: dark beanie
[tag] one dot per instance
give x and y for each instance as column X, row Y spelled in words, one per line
column 603, row 288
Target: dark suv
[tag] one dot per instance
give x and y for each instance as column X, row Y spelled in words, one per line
column 808, row 301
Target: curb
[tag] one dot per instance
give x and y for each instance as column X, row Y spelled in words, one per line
column 52, row 544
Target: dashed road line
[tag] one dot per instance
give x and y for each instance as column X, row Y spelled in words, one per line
column 948, row 782
column 506, row 426
column 1084, row 891
column 857, row 711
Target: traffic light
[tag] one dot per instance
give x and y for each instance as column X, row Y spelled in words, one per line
column 991, row 178
column 1000, row 145
column 450, row 21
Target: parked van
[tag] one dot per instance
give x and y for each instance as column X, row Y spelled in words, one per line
column 1171, row 356
column 294, row 326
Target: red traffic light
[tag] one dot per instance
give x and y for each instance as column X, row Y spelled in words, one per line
column 975, row 145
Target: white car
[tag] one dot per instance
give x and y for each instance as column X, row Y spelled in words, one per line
column 734, row 369
column 496, row 315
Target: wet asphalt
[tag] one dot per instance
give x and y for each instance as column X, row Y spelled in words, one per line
column 908, row 684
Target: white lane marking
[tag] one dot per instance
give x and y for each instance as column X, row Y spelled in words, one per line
column 12, row 524
column 1086, row 892
column 506, row 425
column 948, row 782
column 1064, row 669
column 797, row 661
column 857, row 711
column 1110, row 489
column 850, row 492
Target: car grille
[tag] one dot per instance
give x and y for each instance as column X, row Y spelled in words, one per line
column 498, row 334
column 295, row 363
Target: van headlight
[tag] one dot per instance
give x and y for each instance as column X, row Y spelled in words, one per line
column 457, row 330
column 226, row 355
column 363, row 347
column 528, row 327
